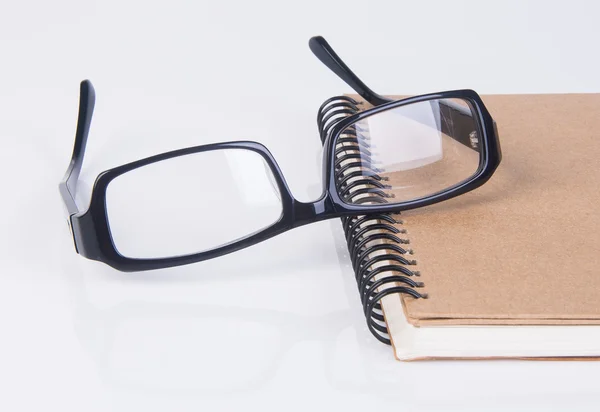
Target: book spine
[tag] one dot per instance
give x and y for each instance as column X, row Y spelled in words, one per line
column 382, row 263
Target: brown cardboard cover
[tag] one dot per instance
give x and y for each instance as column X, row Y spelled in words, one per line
column 525, row 247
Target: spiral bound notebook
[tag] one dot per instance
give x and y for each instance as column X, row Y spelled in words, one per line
column 511, row 270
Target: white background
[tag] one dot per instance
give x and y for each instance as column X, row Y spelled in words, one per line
column 277, row 326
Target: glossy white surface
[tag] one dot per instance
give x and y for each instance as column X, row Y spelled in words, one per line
column 277, row 326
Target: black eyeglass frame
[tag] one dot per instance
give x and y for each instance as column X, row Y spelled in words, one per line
column 91, row 230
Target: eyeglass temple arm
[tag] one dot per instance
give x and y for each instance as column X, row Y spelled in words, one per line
column 459, row 130
column 324, row 52
column 68, row 185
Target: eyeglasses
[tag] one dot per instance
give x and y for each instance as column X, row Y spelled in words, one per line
column 201, row 202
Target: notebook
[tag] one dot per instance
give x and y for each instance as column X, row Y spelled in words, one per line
column 510, row 270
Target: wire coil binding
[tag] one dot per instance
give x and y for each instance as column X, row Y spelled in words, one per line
column 382, row 267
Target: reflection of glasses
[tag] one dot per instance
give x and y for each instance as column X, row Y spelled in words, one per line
column 164, row 347
column 132, row 354
column 201, row 202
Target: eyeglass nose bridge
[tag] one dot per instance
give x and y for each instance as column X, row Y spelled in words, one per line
column 310, row 212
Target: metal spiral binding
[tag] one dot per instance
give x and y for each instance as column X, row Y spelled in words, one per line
column 378, row 260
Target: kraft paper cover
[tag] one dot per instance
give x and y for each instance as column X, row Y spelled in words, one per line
column 525, row 247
